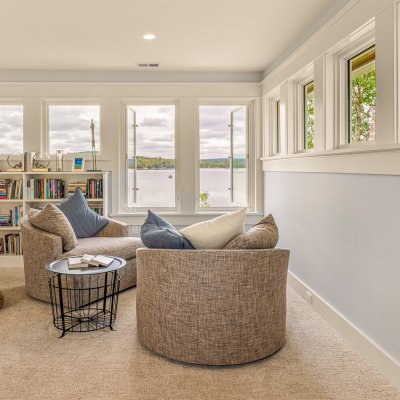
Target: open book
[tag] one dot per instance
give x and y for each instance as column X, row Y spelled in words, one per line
column 88, row 260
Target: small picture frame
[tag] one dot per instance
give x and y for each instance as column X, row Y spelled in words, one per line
column 78, row 164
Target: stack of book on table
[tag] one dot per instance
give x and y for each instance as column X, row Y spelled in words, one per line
column 89, row 261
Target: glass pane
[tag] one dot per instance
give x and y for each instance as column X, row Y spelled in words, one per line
column 239, row 157
column 69, row 128
column 215, row 153
column 309, row 115
column 362, row 96
column 155, row 156
column 11, row 129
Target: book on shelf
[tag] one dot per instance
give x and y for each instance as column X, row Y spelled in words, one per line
column 73, row 185
column 94, row 188
column 11, row 244
column 12, row 218
column 97, row 207
column 45, row 189
column 11, row 189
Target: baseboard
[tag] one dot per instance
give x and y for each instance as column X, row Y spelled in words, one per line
column 11, row 261
column 389, row 367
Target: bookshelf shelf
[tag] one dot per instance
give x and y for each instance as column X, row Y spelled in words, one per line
column 100, row 205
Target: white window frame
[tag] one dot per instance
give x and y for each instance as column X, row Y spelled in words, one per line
column 14, row 102
column 251, row 149
column 123, row 199
column 270, row 134
column 361, row 42
column 45, row 142
column 299, row 140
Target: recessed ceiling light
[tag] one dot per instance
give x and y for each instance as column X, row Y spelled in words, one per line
column 149, row 36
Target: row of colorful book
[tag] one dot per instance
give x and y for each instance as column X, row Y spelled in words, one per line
column 11, row 244
column 91, row 189
column 45, row 189
column 11, row 188
column 12, row 218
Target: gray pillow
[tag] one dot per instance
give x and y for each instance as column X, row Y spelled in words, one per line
column 156, row 233
column 84, row 221
column 263, row 235
column 52, row 220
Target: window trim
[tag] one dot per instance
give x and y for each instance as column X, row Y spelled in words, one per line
column 250, row 150
column 14, row 102
column 123, row 196
column 45, row 137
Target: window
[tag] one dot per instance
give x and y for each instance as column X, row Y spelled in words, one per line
column 151, row 156
column 362, row 96
column 11, row 128
column 223, row 156
column 308, row 97
column 69, row 128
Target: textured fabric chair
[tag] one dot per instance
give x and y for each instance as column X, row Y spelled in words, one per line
column 41, row 247
column 213, row 307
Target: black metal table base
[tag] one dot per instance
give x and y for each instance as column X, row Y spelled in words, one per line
column 84, row 303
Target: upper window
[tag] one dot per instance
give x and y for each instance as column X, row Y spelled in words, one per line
column 11, row 129
column 362, row 96
column 223, row 156
column 308, row 96
column 151, row 156
column 69, row 128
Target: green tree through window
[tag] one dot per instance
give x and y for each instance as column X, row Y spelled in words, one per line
column 362, row 97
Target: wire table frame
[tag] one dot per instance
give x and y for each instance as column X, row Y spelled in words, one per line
column 84, row 300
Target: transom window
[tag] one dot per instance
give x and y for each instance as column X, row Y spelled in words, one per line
column 151, row 173
column 308, row 96
column 223, row 156
column 69, row 128
column 362, row 96
column 11, row 128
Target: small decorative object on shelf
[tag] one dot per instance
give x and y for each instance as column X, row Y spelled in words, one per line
column 40, row 162
column 78, row 164
column 94, row 159
column 15, row 162
column 59, row 161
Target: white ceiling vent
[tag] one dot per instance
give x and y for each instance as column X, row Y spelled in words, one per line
column 148, row 65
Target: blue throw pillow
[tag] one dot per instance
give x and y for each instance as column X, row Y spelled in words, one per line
column 85, row 222
column 157, row 233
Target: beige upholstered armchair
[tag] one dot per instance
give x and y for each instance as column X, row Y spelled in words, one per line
column 215, row 307
column 41, row 247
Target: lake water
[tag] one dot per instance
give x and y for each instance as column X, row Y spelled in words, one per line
column 156, row 189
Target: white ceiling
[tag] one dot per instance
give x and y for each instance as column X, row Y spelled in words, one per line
column 106, row 35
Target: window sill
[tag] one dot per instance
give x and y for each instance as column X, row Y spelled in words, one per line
column 381, row 160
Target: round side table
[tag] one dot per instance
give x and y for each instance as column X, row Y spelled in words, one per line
column 85, row 299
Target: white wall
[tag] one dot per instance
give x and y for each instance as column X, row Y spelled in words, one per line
column 343, row 232
column 338, row 210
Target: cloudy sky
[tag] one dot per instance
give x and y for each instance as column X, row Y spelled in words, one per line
column 11, row 122
column 155, row 131
column 69, row 128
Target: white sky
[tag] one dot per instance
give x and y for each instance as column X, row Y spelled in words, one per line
column 11, row 129
column 69, row 129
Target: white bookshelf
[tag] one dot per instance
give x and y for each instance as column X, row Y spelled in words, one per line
column 69, row 177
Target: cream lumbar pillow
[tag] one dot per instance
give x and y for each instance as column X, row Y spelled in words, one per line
column 53, row 220
column 217, row 232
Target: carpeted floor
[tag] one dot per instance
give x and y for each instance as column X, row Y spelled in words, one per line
column 315, row 363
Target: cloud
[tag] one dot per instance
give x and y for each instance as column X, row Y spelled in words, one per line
column 11, row 131
column 151, row 122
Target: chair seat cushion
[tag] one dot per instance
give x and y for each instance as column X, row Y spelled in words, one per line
column 124, row 247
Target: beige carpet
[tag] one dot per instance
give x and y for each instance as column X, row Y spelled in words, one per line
column 34, row 364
